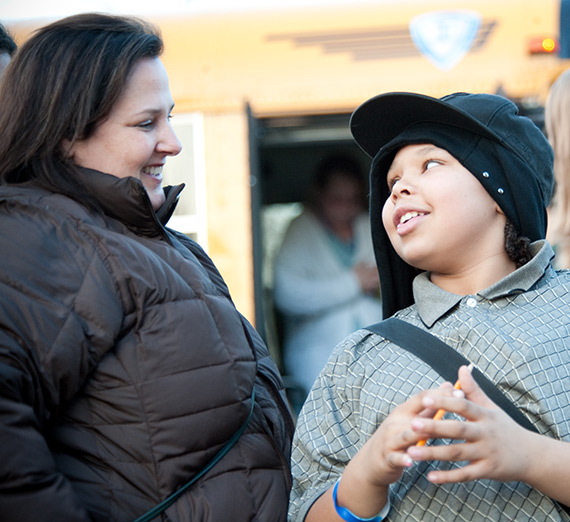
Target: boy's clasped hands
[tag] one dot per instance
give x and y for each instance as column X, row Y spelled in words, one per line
column 484, row 437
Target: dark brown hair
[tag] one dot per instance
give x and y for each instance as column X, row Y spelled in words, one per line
column 333, row 166
column 7, row 44
column 517, row 246
column 62, row 83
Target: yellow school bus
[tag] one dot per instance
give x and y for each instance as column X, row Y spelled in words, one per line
column 262, row 95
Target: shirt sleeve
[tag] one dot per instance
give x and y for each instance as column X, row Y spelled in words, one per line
column 327, row 434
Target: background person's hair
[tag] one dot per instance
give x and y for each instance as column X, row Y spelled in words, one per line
column 62, row 83
column 557, row 123
column 341, row 165
column 7, row 43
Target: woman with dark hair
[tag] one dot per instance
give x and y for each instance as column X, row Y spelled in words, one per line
column 129, row 383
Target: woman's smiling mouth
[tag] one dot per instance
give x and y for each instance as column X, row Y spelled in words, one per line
column 153, row 172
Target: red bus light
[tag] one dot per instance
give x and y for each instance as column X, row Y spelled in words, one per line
column 543, row 45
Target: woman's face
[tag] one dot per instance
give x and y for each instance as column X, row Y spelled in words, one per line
column 137, row 136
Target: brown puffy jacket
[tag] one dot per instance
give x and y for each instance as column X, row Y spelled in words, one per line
column 125, row 367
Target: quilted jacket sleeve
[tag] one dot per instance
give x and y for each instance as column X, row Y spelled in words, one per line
column 270, row 392
column 57, row 319
column 271, row 395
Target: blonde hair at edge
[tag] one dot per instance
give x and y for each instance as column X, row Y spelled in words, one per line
column 557, row 122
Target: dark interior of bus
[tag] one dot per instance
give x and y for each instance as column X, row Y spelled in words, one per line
column 285, row 152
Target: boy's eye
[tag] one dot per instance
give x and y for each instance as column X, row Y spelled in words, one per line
column 431, row 163
column 391, row 183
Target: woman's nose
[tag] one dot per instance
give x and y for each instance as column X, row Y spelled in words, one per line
column 169, row 143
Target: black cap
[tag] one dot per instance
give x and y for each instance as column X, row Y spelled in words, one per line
column 507, row 153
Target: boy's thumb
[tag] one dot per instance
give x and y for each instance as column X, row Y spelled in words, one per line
column 471, row 389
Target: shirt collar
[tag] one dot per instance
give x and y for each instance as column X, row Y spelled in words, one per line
column 433, row 302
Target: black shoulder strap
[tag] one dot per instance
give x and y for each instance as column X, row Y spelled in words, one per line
column 444, row 360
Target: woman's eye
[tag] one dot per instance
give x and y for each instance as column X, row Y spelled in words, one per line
column 145, row 124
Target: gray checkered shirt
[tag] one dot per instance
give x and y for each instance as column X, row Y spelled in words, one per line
column 516, row 332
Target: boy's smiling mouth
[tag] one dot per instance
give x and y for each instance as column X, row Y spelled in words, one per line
column 404, row 219
column 409, row 215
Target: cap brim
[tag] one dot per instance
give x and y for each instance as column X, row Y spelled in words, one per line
column 380, row 119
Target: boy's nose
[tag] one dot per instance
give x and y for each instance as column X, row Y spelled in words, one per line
column 402, row 187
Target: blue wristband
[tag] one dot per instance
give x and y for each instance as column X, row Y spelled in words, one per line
column 345, row 514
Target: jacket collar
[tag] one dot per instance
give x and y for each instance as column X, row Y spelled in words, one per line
column 126, row 200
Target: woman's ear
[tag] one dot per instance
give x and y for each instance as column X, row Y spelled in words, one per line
column 67, row 148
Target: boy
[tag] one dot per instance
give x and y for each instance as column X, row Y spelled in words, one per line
column 459, row 190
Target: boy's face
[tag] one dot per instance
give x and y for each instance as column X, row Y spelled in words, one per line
column 438, row 216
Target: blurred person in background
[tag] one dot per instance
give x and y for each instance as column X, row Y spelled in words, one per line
column 130, row 386
column 7, row 48
column 557, row 123
column 326, row 280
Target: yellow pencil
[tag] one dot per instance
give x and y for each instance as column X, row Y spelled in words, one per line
column 440, row 413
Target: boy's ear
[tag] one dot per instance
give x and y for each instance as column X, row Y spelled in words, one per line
column 499, row 209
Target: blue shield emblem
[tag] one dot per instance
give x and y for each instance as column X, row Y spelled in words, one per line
column 445, row 37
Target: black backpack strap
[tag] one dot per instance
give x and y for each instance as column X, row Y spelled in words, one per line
column 444, row 360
